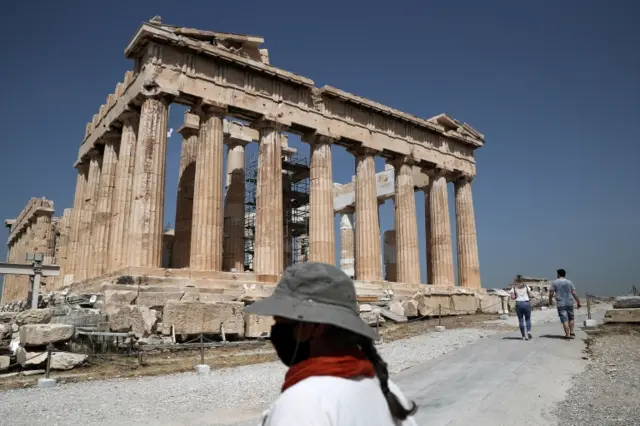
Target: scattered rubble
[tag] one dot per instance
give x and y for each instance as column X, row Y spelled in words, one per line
column 626, row 309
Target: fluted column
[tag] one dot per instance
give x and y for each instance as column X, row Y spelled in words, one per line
column 390, row 255
column 119, row 235
column 104, row 207
column 233, row 253
column 269, row 234
column 43, row 238
column 186, row 180
column 441, row 243
column 147, row 210
column 368, row 257
column 347, row 243
column 206, row 230
column 73, row 255
column 427, row 228
column 86, row 247
column 406, row 224
column 467, row 240
column 322, row 240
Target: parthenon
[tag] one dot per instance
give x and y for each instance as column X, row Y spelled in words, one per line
column 115, row 227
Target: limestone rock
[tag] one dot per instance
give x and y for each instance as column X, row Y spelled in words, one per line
column 629, row 315
column 372, row 318
column 432, row 304
column 155, row 340
column 257, row 325
column 156, row 298
column 138, row 319
column 202, row 317
column 115, row 299
column 7, row 317
column 43, row 334
column 490, row 303
column 624, row 302
column 397, row 308
column 66, row 360
column 410, row 308
column 34, row 316
column 26, row 359
column 5, row 331
column 365, row 307
column 464, row 304
column 5, row 361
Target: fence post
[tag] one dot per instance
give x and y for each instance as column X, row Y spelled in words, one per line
column 201, row 349
column 48, row 367
column 439, row 314
column 588, row 306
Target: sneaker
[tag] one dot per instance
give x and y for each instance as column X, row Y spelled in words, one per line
column 524, row 338
column 529, row 336
column 573, row 335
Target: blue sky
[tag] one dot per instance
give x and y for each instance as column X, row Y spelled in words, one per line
column 554, row 86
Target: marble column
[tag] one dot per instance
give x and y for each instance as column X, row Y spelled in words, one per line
column 206, row 229
column 86, row 246
column 147, row 209
column 43, row 235
column 427, row 228
column 104, row 207
column 406, row 224
column 322, row 240
column 347, row 243
column 233, row 253
column 368, row 256
column 467, row 240
column 441, row 243
column 184, row 203
column 119, row 235
column 287, row 214
column 269, row 234
column 390, row 255
column 73, row 255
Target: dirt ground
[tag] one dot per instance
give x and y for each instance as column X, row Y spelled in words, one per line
column 106, row 366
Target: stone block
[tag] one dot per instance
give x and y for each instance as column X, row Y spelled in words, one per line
column 625, row 302
column 66, row 360
column 5, row 361
column 202, row 369
column 115, row 299
column 464, row 304
column 397, row 308
column 428, row 304
column 257, row 326
column 7, row 317
column 138, row 319
column 156, row 298
column 43, row 334
column 372, row 318
column 630, row 315
column 365, row 307
column 490, row 303
column 202, row 317
column 44, row 383
column 410, row 308
column 26, row 359
column 34, row 316
column 5, row 331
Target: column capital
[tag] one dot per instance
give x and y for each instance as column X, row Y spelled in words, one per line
column 111, row 138
column 358, row 151
column 93, row 154
column 191, row 124
column 151, row 90
column 209, row 107
column 129, row 116
column 316, row 137
column 464, row 178
column 437, row 172
column 233, row 142
column 270, row 122
column 401, row 160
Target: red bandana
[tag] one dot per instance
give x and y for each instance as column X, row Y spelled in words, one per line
column 354, row 364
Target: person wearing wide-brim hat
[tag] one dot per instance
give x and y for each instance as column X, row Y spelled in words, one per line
column 335, row 376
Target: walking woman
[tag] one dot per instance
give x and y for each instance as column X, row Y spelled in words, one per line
column 521, row 293
column 335, row 376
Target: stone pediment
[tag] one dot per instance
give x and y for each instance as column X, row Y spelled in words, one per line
column 244, row 45
column 452, row 125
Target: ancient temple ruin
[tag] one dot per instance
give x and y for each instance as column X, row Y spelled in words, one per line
column 115, row 227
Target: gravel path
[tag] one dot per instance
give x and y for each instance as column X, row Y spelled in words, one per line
column 607, row 393
column 182, row 399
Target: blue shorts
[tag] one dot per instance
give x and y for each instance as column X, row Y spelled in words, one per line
column 565, row 313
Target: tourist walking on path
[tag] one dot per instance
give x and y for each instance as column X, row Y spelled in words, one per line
column 565, row 293
column 335, row 376
column 521, row 293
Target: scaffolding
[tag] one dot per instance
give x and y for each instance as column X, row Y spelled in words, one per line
column 295, row 203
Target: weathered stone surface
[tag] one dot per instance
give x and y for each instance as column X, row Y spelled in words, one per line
column 257, row 326
column 6, row 317
column 43, row 334
column 115, row 299
column 490, row 303
column 5, row 361
column 430, row 305
column 138, row 319
column 365, row 307
column 463, row 304
column 155, row 340
column 34, row 316
column 66, row 360
column 25, row 358
column 201, row 317
column 5, row 331
column 624, row 302
column 372, row 318
column 629, row 315
column 397, row 308
column 157, row 298
column 410, row 308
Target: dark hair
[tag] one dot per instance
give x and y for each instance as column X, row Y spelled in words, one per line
column 398, row 411
column 562, row 273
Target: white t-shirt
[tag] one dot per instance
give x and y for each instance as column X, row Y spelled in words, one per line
column 334, row 401
column 522, row 294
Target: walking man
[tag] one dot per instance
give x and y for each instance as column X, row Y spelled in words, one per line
column 565, row 292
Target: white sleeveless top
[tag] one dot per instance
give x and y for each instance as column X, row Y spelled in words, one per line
column 521, row 293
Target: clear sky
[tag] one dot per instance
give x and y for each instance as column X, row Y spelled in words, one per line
column 554, row 86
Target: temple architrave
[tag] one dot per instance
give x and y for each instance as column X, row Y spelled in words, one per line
column 115, row 227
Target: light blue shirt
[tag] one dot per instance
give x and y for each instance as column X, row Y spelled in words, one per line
column 563, row 289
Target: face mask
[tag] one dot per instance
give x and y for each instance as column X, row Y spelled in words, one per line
column 288, row 349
